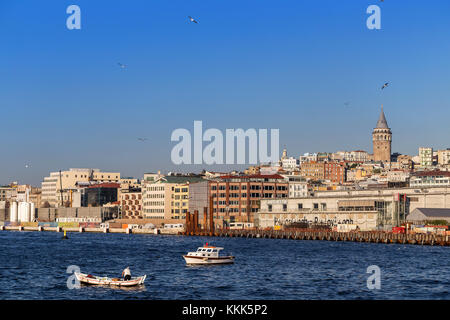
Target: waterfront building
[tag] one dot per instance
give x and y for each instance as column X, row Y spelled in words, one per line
column 67, row 180
column 278, row 214
column 167, row 197
column 100, row 194
column 382, row 140
column 426, row 156
column 237, row 198
column 131, row 203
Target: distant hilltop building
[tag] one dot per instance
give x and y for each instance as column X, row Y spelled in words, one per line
column 382, row 140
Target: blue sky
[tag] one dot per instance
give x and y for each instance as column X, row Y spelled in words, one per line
column 248, row 64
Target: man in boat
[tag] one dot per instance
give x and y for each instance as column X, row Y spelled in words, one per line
column 126, row 274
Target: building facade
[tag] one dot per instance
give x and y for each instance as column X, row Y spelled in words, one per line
column 390, row 206
column 131, row 204
column 237, row 198
column 426, row 156
column 67, row 180
column 167, row 197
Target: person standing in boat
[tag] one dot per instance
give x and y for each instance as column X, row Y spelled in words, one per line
column 126, row 274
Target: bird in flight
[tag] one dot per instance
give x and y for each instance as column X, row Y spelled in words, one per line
column 192, row 19
column 123, row 66
column 142, row 139
column 347, row 103
column 385, row 85
column 27, row 165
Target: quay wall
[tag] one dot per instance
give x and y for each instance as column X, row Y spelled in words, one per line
column 373, row 237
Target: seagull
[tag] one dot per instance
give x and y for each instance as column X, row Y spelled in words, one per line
column 192, row 19
column 142, row 139
column 123, row 66
column 27, row 165
column 347, row 103
column 385, row 85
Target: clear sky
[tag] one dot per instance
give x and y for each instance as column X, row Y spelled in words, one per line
column 286, row 64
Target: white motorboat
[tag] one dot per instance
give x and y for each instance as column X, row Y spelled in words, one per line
column 207, row 255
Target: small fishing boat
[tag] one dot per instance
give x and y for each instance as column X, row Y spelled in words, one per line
column 207, row 255
column 94, row 280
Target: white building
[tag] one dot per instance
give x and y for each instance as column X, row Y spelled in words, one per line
column 308, row 157
column 430, row 179
column 298, row 186
column 426, row 156
column 290, row 164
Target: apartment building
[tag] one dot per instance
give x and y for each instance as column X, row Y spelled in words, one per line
column 426, row 157
column 237, row 198
column 131, row 203
column 167, row 197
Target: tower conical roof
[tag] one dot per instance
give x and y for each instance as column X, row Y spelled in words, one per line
column 382, row 123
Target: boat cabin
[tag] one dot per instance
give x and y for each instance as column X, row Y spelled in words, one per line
column 208, row 251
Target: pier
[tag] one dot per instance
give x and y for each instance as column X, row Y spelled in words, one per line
column 81, row 229
column 368, row 236
column 360, row 236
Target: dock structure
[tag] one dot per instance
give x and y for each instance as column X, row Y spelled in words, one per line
column 360, row 236
column 192, row 226
column 295, row 234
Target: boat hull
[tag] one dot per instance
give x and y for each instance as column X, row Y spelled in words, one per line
column 83, row 278
column 208, row 260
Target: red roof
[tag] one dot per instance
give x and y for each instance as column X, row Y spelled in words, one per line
column 432, row 173
column 254, row 176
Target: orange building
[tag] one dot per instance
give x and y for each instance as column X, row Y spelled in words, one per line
column 237, row 198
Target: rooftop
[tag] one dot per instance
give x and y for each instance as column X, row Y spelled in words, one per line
column 382, row 123
column 434, row 212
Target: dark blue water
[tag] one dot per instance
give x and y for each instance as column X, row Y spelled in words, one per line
column 33, row 266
